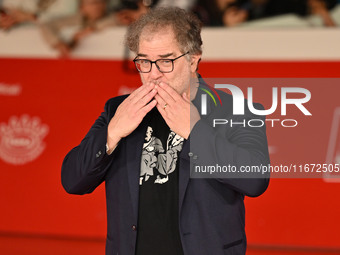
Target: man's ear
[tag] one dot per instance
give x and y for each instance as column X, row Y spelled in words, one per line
column 195, row 59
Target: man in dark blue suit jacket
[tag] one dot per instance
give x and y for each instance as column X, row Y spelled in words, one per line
column 146, row 145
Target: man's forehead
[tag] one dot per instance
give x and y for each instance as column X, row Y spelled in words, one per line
column 148, row 36
column 151, row 33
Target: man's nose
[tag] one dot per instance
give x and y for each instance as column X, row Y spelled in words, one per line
column 155, row 73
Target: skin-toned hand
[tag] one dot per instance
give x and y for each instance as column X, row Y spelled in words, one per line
column 319, row 7
column 82, row 34
column 15, row 16
column 63, row 49
column 22, row 16
column 6, row 22
column 234, row 16
column 180, row 114
column 130, row 113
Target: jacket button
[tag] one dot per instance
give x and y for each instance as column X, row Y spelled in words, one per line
column 98, row 154
column 190, row 154
column 195, row 157
column 134, row 228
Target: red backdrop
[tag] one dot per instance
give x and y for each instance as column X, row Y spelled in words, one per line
column 68, row 95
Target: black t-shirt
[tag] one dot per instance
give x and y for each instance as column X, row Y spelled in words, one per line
column 158, row 227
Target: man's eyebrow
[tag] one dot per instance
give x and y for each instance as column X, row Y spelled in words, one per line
column 166, row 55
column 161, row 56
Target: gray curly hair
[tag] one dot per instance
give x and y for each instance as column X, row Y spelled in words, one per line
column 186, row 27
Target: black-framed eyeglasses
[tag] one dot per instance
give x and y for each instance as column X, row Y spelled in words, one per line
column 164, row 65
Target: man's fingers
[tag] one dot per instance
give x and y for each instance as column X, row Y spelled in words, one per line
column 146, row 99
column 165, row 97
column 161, row 110
column 162, row 106
column 173, row 94
column 141, row 92
column 144, row 110
column 160, row 100
column 135, row 92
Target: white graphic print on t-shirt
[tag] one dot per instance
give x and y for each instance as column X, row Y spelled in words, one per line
column 154, row 157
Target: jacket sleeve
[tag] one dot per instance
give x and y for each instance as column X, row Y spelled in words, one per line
column 239, row 146
column 85, row 166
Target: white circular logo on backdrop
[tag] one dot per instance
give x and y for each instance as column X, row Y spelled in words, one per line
column 21, row 140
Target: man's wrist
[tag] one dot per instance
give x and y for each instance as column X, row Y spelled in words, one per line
column 111, row 144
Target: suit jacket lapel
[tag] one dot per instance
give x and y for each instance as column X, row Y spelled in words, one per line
column 185, row 163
